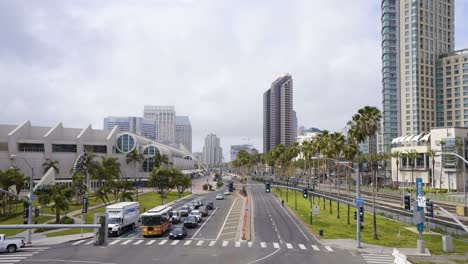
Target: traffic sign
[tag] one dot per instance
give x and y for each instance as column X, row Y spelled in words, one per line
column 33, row 197
column 316, row 210
column 419, row 189
column 359, row 201
column 421, row 201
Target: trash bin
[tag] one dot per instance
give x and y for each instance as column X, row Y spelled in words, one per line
column 321, row 232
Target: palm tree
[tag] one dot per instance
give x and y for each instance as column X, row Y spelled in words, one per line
column 160, row 159
column 442, row 144
column 383, row 158
column 6, row 181
column 411, row 156
column 60, row 196
column 350, row 150
column 365, row 124
column 79, row 186
column 50, row 164
column 134, row 157
column 162, row 179
column 432, row 154
column 322, row 142
column 337, row 142
column 243, row 161
column 397, row 155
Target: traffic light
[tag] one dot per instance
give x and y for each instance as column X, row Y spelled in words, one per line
column 355, row 215
column 361, row 213
column 267, row 188
column 430, row 208
column 26, row 212
column 85, row 205
column 305, row 193
column 36, row 212
column 408, row 202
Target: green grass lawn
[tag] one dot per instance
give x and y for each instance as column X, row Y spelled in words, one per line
column 18, row 219
column 147, row 201
column 391, row 233
column 92, row 201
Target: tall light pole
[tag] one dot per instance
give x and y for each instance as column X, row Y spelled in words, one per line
column 31, row 183
column 439, row 153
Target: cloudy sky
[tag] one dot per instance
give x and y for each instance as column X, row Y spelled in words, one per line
column 78, row 61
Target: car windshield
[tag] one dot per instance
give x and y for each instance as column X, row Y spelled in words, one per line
column 191, row 218
column 114, row 220
column 177, row 229
column 184, row 208
column 194, row 212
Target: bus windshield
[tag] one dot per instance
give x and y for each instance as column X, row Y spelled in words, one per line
column 151, row 220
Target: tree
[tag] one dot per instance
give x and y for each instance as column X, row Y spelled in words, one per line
column 60, row 196
column 337, row 142
column 162, row 179
column 411, row 156
column 350, row 150
column 6, row 181
column 397, row 155
column 50, row 164
column 102, row 193
column 432, row 154
column 242, row 161
column 442, row 144
column 79, row 186
column 124, row 189
column 160, row 160
column 183, row 182
column 134, row 157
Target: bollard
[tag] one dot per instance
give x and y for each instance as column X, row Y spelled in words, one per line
column 447, row 244
column 321, row 232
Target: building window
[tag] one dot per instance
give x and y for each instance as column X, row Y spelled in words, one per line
column 64, row 148
column 96, row 148
column 30, row 147
column 151, row 150
column 148, row 164
column 125, row 143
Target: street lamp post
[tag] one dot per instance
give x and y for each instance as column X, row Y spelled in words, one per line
column 439, row 153
column 31, row 183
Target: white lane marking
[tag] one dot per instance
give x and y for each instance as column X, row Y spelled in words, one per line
column 328, row 248
column 138, row 242
column 10, row 260
column 276, row 245
column 204, row 223
column 288, row 245
column 221, row 230
column 114, row 242
column 225, row 243
column 162, row 242
column 263, row 244
column 175, row 242
column 212, row 243
column 302, row 246
column 237, row 244
column 78, row 242
column 267, row 256
column 315, row 248
column 6, row 257
column 200, row 243
column 250, row 243
column 89, row 242
column 302, row 232
column 151, row 242
column 126, row 242
column 187, row 242
column 19, row 255
column 37, row 248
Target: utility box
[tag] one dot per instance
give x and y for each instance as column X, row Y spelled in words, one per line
column 462, row 211
column 101, row 234
column 447, row 244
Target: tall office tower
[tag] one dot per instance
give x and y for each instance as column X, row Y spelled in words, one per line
column 138, row 125
column 183, row 132
column 278, row 114
column 212, row 151
column 426, row 32
column 294, row 118
column 390, row 71
column 165, row 118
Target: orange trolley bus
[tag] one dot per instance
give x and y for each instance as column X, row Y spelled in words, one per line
column 156, row 221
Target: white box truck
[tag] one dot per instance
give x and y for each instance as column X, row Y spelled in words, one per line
column 123, row 216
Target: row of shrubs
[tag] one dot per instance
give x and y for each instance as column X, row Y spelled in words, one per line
column 427, row 190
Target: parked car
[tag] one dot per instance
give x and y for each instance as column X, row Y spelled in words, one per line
column 197, row 214
column 227, row 193
column 204, row 211
column 175, row 218
column 219, row 196
column 209, row 205
column 184, row 210
column 191, row 221
column 11, row 244
column 178, row 232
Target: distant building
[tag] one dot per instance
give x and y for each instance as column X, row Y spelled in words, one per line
column 138, row 125
column 198, row 156
column 300, row 131
column 278, row 114
column 183, row 132
column 165, row 118
column 294, row 119
column 212, row 151
column 236, row 148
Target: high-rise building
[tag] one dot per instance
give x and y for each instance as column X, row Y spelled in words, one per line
column 247, row 147
column 183, row 132
column 301, row 131
column 212, row 151
column 390, row 71
column 165, row 118
column 138, row 125
column 294, row 118
column 278, row 121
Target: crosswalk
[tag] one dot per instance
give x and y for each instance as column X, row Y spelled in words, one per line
column 210, row 243
column 20, row 255
column 378, row 258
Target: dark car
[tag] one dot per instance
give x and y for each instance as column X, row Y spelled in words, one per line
column 209, row 205
column 191, row 221
column 178, row 232
column 196, row 204
column 204, row 211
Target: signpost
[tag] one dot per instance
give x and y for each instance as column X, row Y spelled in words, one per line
column 421, row 200
column 316, row 210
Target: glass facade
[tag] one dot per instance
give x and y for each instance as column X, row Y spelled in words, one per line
column 96, row 148
column 125, row 143
column 30, row 147
column 148, row 164
column 64, row 148
column 151, row 150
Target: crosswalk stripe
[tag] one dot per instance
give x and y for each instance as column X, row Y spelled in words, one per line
column 288, row 245
column 151, row 242
column 302, row 246
column 35, row 248
column 78, row 242
column 212, row 243
column 10, row 260
column 237, row 244
column 138, row 242
column 276, row 245
column 18, row 255
column 187, row 242
column 175, row 242
column 328, row 248
column 89, row 242
column 162, row 242
column 263, row 244
column 5, row 257
column 250, row 243
column 126, row 242
column 315, row 248
column 225, row 243
column 379, row 261
column 200, row 243
column 114, row 242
